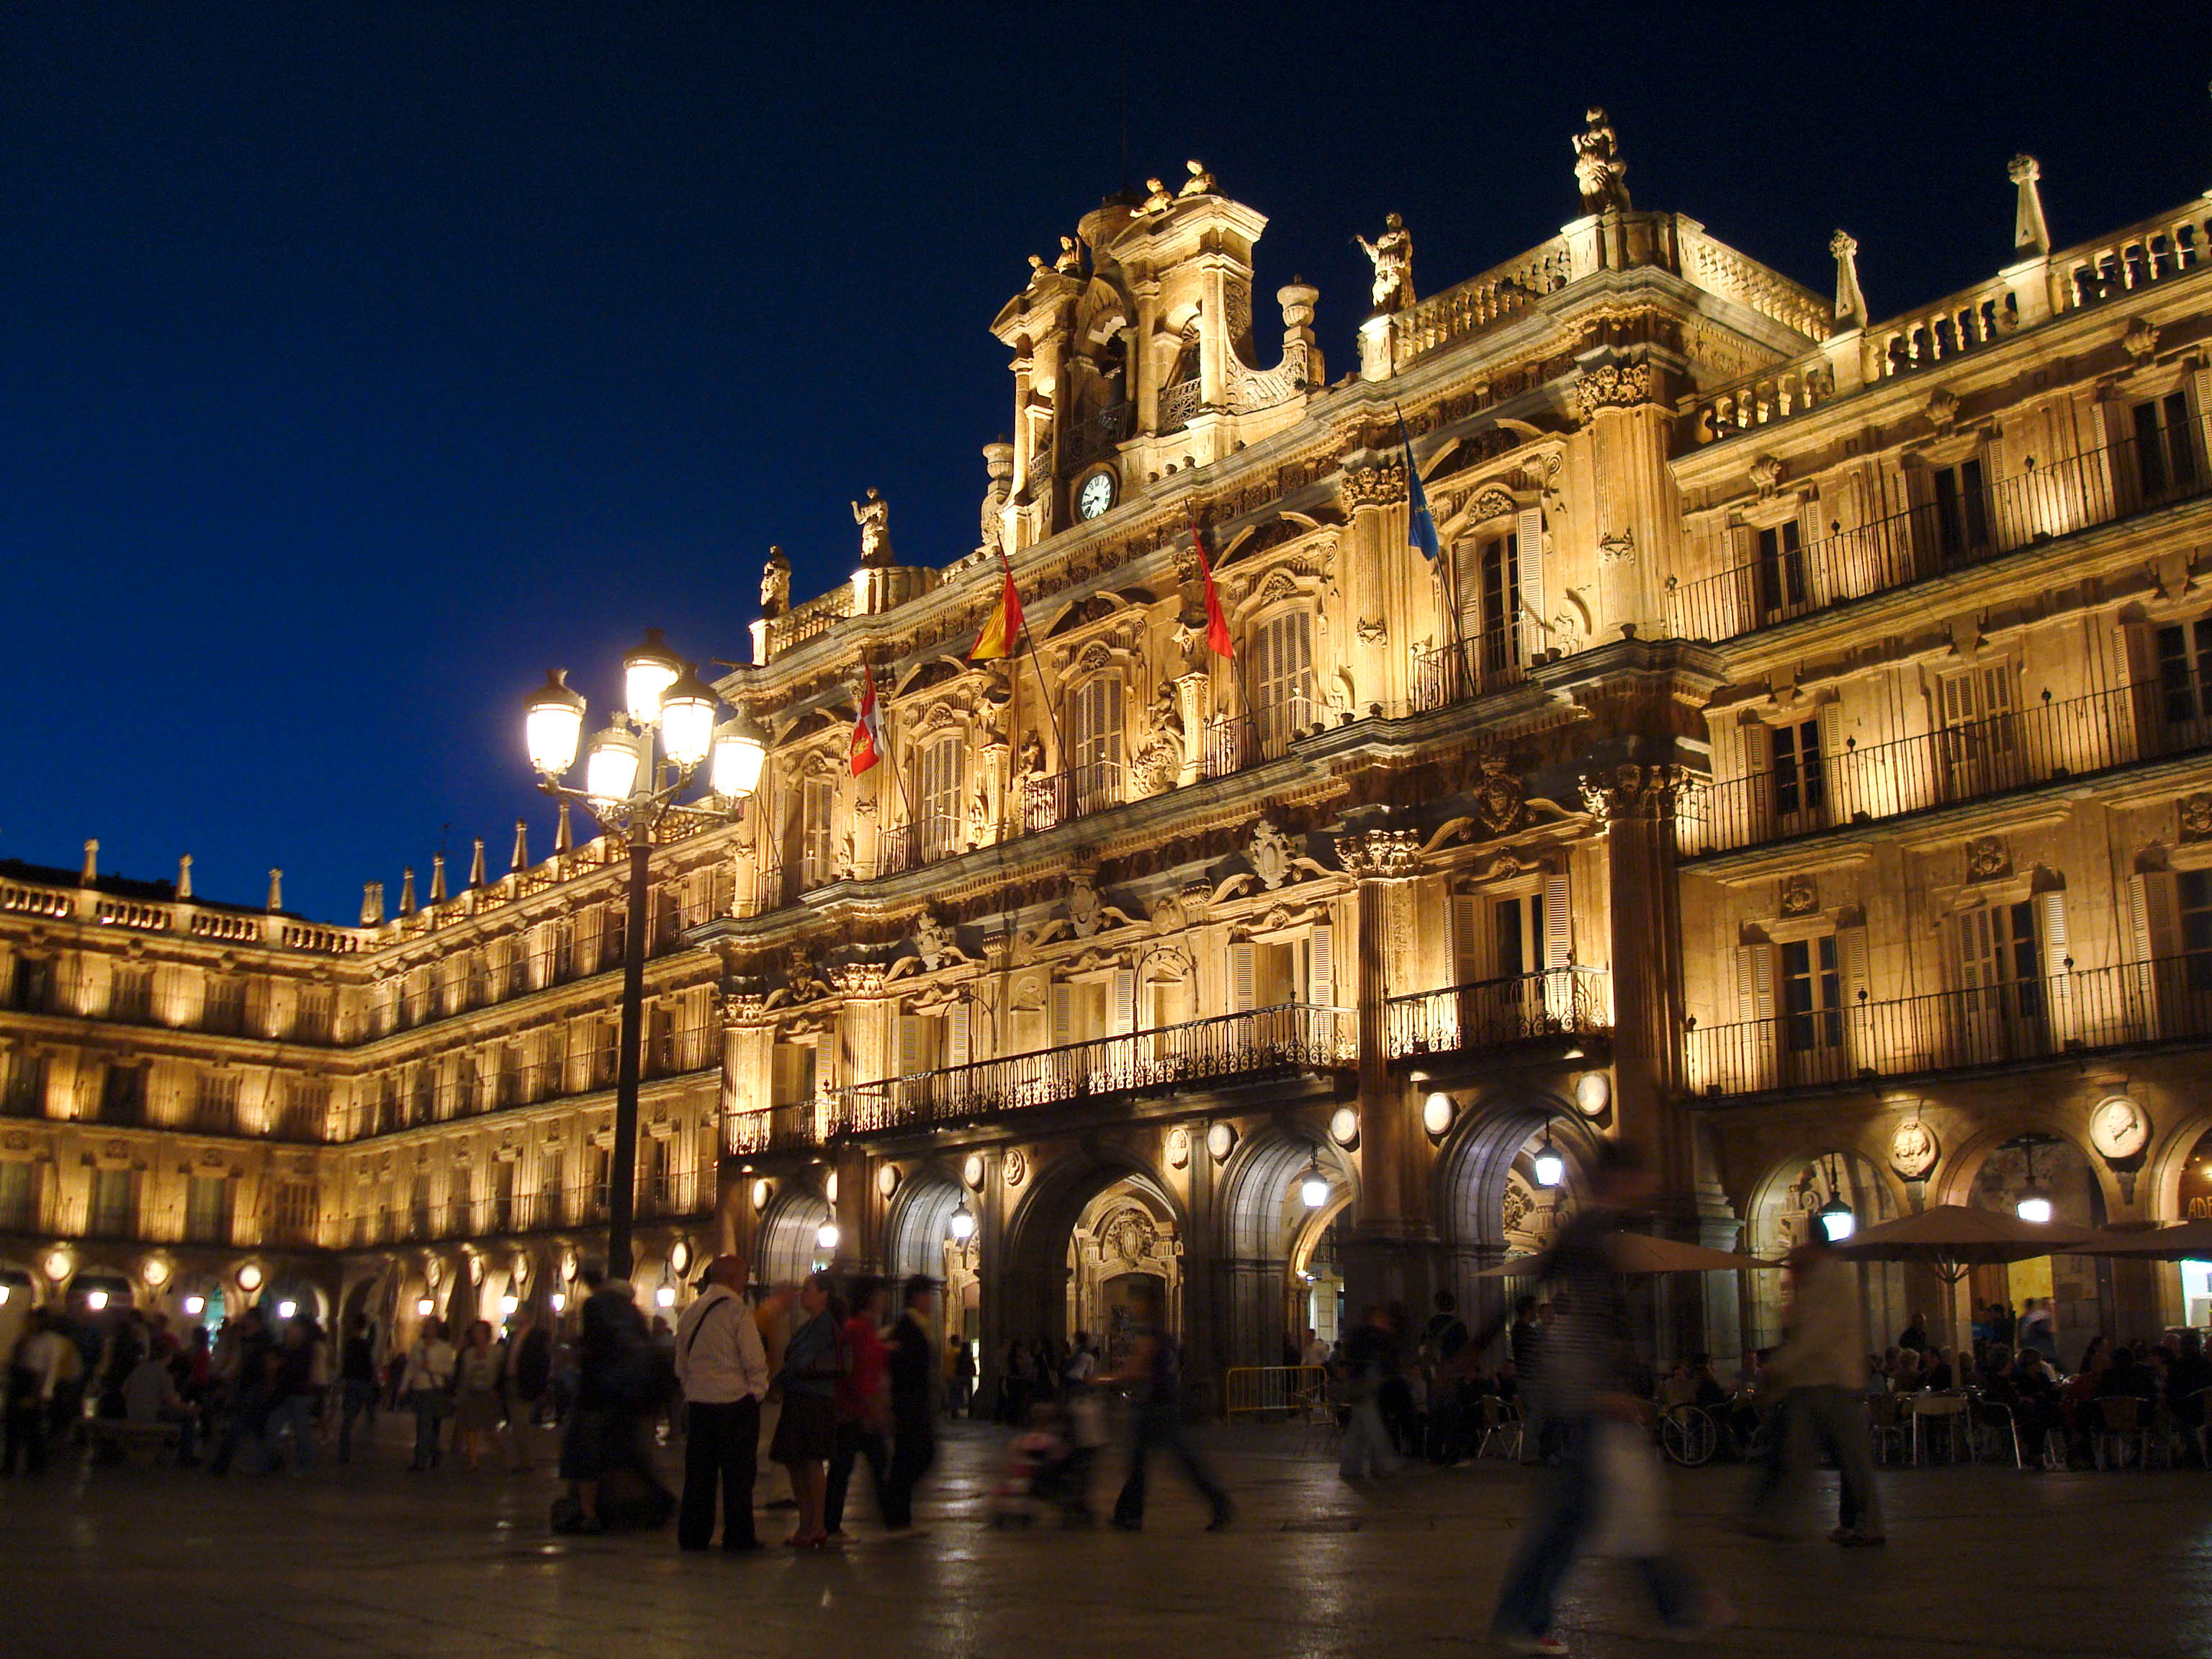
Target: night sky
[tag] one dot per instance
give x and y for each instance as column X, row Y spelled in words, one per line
column 362, row 361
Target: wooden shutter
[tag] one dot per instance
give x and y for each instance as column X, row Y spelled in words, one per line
column 1321, row 966
column 911, row 1049
column 1122, row 1013
column 1470, row 947
column 1063, row 1015
column 783, row 1074
column 1858, row 1013
column 2155, row 911
column 1529, row 534
column 1559, row 923
column 1754, row 983
column 1836, row 763
column 2058, row 952
column 956, row 1035
column 1243, row 993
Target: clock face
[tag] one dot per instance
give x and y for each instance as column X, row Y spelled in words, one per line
column 1096, row 495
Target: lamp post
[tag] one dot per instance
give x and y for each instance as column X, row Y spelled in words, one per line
column 623, row 790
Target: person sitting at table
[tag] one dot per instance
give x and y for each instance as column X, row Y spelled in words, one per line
column 1914, row 1335
column 1942, row 1373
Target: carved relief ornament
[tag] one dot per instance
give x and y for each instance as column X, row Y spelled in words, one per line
column 1380, row 853
column 1374, row 486
column 2196, row 818
column 1631, row 791
column 1612, row 386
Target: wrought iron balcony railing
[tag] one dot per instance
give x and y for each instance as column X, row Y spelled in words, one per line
column 1257, row 1042
column 1949, row 533
column 1465, row 670
column 2167, row 1000
column 1498, row 1013
column 2019, row 749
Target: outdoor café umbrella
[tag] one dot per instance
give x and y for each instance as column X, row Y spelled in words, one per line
column 1641, row 1253
column 1953, row 1237
column 2184, row 1240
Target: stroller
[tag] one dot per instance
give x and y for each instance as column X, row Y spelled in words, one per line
column 1049, row 1469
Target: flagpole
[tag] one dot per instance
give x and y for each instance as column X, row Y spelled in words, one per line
column 1235, row 657
column 890, row 759
column 1447, row 566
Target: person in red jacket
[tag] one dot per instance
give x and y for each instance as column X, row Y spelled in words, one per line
column 863, row 1403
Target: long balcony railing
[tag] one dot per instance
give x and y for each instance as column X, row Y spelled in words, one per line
column 1074, row 794
column 2019, row 749
column 2068, row 1012
column 1498, row 1013
column 2040, row 504
column 1255, row 1043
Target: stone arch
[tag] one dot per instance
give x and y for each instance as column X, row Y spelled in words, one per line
column 1474, row 1167
column 1034, row 1274
column 1262, row 1232
column 1792, row 1190
column 788, row 1247
column 916, row 1227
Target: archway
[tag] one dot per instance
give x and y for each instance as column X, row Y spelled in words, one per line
column 1123, row 1259
column 1785, row 1208
column 1069, row 1201
column 2053, row 1170
column 1267, row 1236
column 790, row 1245
column 918, row 1239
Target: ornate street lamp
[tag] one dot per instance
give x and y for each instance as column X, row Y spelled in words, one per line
column 1551, row 1168
column 2034, row 1205
column 1313, row 1189
column 1838, row 1221
column 961, row 1226
column 629, row 792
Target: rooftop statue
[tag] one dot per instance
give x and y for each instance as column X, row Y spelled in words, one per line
column 874, row 517
column 1070, row 258
column 1036, row 269
column 1200, row 182
column 1598, row 167
column 1157, row 199
column 1392, row 256
column 775, row 584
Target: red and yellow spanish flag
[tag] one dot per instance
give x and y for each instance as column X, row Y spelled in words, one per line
column 868, row 730
column 1218, row 640
column 1003, row 631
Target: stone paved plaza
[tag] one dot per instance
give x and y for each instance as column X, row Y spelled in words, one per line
column 369, row 1561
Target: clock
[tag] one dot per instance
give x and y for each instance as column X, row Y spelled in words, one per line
column 1095, row 496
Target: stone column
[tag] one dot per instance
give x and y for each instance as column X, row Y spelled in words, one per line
column 1391, row 1253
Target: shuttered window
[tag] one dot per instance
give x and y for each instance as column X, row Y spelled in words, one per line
column 1282, row 676
column 817, row 853
column 2166, row 454
column 940, row 798
column 1094, row 742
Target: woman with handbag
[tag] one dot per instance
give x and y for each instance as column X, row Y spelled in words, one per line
column 807, row 1433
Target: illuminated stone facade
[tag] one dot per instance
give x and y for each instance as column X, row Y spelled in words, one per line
column 1800, row 761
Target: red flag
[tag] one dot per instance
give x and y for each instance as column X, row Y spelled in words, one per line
column 868, row 730
column 1217, row 625
column 1004, row 629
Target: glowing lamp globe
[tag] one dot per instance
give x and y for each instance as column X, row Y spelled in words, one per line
column 647, row 671
column 509, row 1305
column 963, row 1224
column 425, row 1307
column 553, row 724
column 195, row 1306
column 740, row 749
column 827, row 1234
column 2034, row 1207
column 287, row 1310
column 1313, row 1191
column 665, row 1296
column 1837, row 1220
column 686, row 719
column 1551, row 1168
column 611, row 766
column 95, row 1300
column 560, row 1301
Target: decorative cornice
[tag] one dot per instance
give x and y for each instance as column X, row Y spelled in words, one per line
column 1380, row 853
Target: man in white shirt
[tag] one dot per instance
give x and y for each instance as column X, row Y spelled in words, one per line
column 724, row 1372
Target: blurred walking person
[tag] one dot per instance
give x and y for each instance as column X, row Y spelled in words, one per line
column 1600, row 1424
column 723, row 1371
column 1370, row 1356
column 428, row 1387
column 1821, row 1368
column 1155, row 1364
column 863, row 1405
column 475, row 1395
column 911, row 1364
column 806, row 1431
column 358, row 1387
column 32, row 1364
column 525, row 1370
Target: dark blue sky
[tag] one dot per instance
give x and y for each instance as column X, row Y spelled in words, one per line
column 361, row 362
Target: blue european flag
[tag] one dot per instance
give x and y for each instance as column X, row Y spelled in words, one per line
column 1420, row 523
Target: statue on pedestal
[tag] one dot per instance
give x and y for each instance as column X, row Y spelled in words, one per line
column 1070, row 258
column 1598, row 167
column 775, row 584
column 1200, row 182
column 1392, row 256
column 874, row 517
column 1157, row 199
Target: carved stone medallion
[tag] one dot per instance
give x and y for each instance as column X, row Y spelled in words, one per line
column 1987, row 857
column 2196, row 818
column 1017, row 1168
column 1801, row 895
column 1912, row 1149
column 2118, row 1128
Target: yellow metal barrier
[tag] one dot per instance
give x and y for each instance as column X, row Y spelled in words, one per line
column 1256, row 1388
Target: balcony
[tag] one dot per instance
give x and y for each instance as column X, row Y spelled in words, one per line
column 1971, row 760
column 1247, row 1047
column 2099, row 487
column 1499, row 1014
column 1465, row 670
column 2165, row 1001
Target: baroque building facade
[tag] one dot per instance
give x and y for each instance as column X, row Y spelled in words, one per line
column 1797, row 760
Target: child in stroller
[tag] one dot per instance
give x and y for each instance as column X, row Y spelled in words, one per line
column 1049, row 1469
